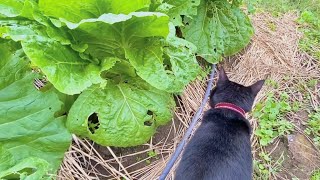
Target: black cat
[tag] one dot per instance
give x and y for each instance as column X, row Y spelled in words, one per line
column 220, row 148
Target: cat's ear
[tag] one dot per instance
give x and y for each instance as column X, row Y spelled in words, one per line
column 222, row 75
column 256, row 87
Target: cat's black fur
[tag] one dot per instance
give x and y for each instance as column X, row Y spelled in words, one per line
column 220, row 149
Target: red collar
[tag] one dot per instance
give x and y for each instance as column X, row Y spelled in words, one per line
column 233, row 107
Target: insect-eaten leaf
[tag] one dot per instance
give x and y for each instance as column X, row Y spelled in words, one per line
column 33, row 138
column 120, row 114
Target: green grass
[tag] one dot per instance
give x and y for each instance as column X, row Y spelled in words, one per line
column 315, row 175
column 282, row 6
column 309, row 19
column 310, row 26
column 265, row 167
column 313, row 126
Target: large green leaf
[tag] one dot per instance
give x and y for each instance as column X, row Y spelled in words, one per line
column 178, row 8
column 220, row 28
column 75, row 10
column 133, row 37
column 22, row 10
column 124, row 63
column 111, row 35
column 62, row 65
column 121, row 114
column 14, row 8
column 138, row 36
column 171, row 73
column 64, row 68
column 29, row 168
column 28, row 125
column 19, row 30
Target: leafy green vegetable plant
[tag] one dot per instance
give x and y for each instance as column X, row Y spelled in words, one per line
column 112, row 68
column 32, row 134
column 216, row 29
column 271, row 116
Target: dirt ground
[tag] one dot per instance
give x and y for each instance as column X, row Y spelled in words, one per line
column 136, row 158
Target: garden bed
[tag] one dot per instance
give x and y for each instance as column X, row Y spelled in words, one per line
column 274, row 54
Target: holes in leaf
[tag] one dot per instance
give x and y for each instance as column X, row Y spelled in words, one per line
column 178, row 32
column 192, row 1
column 167, row 68
column 147, row 123
column 215, row 49
column 150, row 113
column 93, row 122
column 24, row 171
column 39, row 83
column 167, row 64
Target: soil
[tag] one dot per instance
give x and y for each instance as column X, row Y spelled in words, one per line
column 300, row 158
column 300, row 119
column 164, row 133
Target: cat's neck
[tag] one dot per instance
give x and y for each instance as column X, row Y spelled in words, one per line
column 221, row 114
column 232, row 107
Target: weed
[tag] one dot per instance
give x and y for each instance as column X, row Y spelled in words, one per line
column 312, row 83
column 271, row 115
column 309, row 19
column 261, row 171
column 315, row 175
column 313, row 126
column 296, row 106
column 265, row 166
column 272, row 26
column 138, row 158
column 277, row 8
column 272, row 83
column 153, row 154
column 310, row 23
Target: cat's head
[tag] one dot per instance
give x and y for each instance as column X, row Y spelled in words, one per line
column 231, row 92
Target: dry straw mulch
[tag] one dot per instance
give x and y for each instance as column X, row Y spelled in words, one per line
column 272, row 53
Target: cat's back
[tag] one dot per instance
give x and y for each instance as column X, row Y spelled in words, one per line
column 219, row 149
